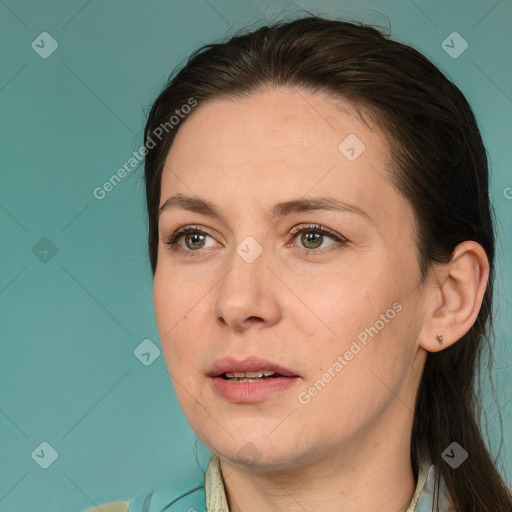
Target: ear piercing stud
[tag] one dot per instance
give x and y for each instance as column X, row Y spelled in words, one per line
column 440, row 339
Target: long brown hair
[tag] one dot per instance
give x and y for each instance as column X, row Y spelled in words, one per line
column 440, row 167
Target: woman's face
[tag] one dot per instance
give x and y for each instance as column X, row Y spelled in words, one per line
column 342, row 313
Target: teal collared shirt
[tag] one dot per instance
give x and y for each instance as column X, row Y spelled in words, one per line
column 208, row 494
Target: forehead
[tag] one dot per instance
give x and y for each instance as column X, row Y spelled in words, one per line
column 277, row 144
column 266, row 125
column 275, row 128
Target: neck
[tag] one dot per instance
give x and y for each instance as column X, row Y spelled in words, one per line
column 360, row 476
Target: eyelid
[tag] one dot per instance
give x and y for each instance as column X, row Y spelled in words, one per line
column 171, row 241
column 339, row 240
column 316, row 227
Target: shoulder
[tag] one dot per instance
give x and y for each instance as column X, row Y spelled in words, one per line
column 113, row 506
column 182, row 492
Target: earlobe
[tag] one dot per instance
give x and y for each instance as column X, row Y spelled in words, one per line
column 456, row 298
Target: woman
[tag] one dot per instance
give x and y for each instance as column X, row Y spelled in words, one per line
column 322, row 248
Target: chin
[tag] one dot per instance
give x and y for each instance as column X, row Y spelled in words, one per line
column 257, row 450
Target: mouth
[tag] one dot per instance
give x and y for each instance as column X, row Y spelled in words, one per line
column 252, row 368
column 251, row 380
column 251, row 376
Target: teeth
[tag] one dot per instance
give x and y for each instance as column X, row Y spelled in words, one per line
column 247, row 380
column 250, row 375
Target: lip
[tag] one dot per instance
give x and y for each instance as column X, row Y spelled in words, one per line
column 249, row 364
column 250, row 392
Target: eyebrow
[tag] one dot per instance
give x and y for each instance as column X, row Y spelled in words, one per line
column 204, row 207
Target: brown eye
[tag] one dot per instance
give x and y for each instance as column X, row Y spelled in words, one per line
column 194, row 239
column 313, row 236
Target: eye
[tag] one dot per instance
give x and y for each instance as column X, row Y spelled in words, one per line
column 313, row 236
column 193, row 236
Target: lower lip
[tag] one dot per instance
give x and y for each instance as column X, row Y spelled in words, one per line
column 250, row 392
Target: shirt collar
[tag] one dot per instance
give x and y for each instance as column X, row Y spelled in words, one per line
column 423, row 498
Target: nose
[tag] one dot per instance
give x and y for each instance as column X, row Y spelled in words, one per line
column 247, row 295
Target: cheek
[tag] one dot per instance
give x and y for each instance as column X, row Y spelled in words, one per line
column 362, row 370
column 346, row 303
column 171, row 316
column 363, row 314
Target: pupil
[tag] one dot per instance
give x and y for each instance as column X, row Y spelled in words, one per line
column 306, row 237
column 195, row 236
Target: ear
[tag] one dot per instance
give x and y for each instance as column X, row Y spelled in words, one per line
column 454, row 296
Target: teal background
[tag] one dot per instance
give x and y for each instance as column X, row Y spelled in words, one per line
column 69, row 326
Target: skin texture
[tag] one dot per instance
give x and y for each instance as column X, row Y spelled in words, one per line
column 348, row 447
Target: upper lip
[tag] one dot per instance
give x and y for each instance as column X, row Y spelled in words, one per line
column 249, row 364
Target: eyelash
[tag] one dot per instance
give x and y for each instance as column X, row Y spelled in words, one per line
column 311, row 228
